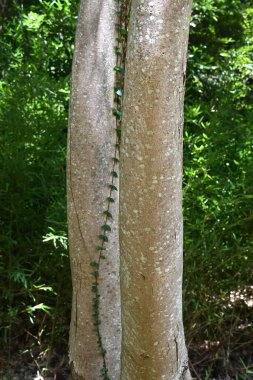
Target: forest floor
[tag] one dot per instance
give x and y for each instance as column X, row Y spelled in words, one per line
column 215, row 363
column 30, row 367
column 203, row 366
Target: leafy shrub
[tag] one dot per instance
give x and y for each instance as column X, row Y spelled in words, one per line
column 36, row 49
column 218, row 169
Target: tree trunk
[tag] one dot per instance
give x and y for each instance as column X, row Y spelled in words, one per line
column 151, row 226
column 90, row 152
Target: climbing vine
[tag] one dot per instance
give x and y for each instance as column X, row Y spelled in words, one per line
column 122, row 16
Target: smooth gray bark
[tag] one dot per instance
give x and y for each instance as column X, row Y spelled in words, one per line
column 151, row 225
column 90, row 151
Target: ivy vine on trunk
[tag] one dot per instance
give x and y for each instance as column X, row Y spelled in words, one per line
column 122, row 16
column 102, row 89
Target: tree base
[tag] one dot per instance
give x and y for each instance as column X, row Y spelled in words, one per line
column 75, row 376
column 186, row 375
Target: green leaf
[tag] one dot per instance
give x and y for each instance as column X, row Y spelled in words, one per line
column 99, row 248
column 117, row 50
column 108, row 214
column 110, row 200
column 114, row 174
column 117, row 113
column 40, row 306
column 106, row 227
column 119, row 69
column 113, row 187
column 123, row 31
column 103, row 238
column 94, row 264
column 118, row 91
column 94, row 288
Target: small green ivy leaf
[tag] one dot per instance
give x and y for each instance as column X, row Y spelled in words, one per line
column 100, row 248
column 103, row 238
column 119, row 69
column 112, row 187
column 114, row 174
column 110, row 200
column 106, row 227
column 119, row 39
column 117, row 50
column 118, row 91
column 94, row 264
column 108, row 214
column 123, row 31
column 117, row 113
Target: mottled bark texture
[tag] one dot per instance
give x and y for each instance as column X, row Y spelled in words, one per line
column 90, row 151
column 151, row 227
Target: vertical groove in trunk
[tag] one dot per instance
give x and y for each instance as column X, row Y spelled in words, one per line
column 151, row 226
column 90, row 152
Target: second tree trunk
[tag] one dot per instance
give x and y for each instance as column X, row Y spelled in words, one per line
column 151, row 225
column 90, row 162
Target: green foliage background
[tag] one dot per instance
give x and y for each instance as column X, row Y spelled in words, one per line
column 218, row 168
column 37, row 40
column 36, row 46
